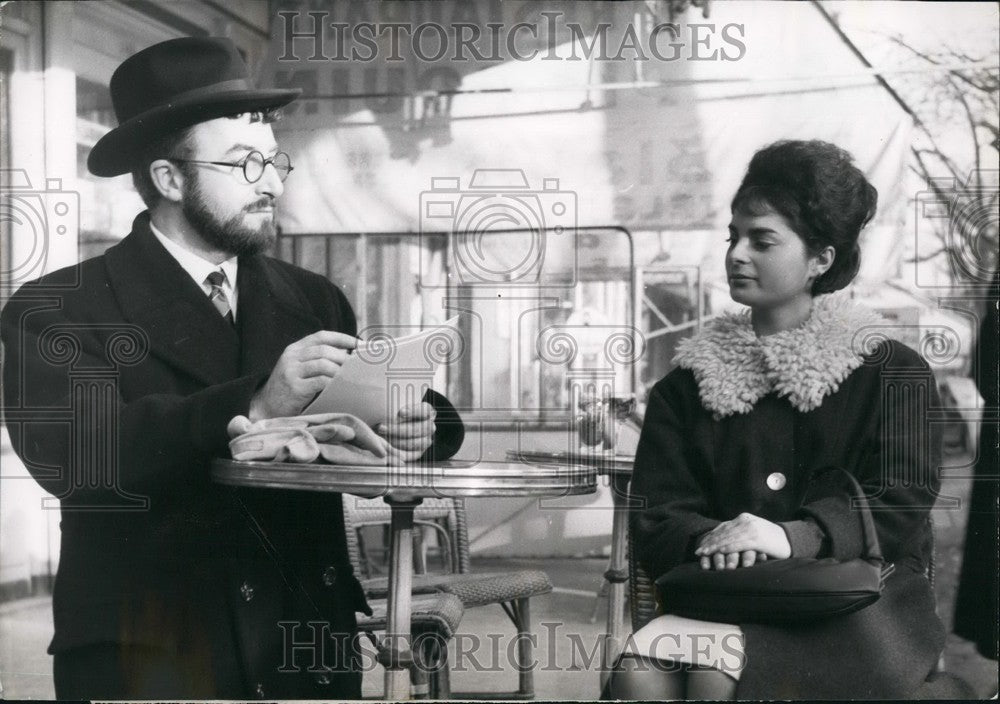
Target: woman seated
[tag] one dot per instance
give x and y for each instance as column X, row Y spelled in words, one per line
column 743, row 444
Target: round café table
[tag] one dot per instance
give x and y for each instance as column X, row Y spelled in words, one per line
column 403, row 487
column 618, row 468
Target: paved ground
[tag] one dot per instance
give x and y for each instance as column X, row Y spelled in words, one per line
column 567, row 640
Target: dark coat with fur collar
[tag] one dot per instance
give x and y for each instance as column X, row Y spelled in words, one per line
column 153, row 552
column 801, row 403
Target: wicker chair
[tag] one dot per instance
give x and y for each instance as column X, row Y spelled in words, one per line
column 512, row 591
column 434, row 515
column 642, row 604
column 436, row 615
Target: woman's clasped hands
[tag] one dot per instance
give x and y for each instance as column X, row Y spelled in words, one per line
column 742, row 542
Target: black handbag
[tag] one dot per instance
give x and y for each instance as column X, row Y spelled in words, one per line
column 793, row 590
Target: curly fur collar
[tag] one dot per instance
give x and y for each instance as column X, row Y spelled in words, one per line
column 735, row 369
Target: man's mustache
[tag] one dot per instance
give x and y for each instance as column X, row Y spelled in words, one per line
column 260, row 204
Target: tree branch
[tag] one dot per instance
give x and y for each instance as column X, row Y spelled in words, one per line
column 972, row 128
column 927, row 257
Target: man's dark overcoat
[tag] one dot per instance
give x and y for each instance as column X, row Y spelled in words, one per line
column 198, row 569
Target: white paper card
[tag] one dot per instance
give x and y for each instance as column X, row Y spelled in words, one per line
column 381, row 367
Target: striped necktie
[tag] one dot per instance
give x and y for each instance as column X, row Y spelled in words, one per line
column 218, row 296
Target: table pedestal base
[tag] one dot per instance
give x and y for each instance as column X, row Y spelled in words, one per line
column 394, row 652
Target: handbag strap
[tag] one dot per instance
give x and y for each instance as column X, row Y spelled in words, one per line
column 872, row 549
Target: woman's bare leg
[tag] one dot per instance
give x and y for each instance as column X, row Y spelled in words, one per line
column 636, row 677
column 709, row 683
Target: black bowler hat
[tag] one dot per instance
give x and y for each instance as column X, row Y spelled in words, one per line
column 172, row 85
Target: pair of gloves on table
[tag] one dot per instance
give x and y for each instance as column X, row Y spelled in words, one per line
column 337, row 438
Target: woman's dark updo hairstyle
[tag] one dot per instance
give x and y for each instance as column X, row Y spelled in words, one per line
column 822, row 195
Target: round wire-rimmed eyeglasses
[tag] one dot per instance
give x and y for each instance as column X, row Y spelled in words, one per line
column 253, row 164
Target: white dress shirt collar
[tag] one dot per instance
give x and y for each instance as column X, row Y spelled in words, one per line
column 199, row 268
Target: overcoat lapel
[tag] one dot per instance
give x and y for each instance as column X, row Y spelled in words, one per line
column 271, row 315
column 154, row 292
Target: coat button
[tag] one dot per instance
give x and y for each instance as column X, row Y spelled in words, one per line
column 259, row 690
column 330, row 576
column 322, row 678
column 776, row 481
column 247, row 591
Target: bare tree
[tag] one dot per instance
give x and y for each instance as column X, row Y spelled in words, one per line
column 961, row 180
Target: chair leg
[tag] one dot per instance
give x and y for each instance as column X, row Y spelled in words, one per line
column 525, row 649
column 422, row 667
column 419, row 552
column 419, row 688
column 440, row 675
column 599, row 596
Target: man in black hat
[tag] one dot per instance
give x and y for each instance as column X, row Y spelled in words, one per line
column 170, row 585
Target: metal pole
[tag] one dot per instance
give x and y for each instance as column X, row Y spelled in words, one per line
column 395, row 654
column 616, row 576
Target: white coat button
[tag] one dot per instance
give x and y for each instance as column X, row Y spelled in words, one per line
column 330, row 576
column 247, row 591
column 776, row 481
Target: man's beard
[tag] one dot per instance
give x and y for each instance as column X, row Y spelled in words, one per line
column 232, row 234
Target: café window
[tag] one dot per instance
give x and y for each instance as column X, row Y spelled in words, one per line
column 107, row 205
column 534, row 332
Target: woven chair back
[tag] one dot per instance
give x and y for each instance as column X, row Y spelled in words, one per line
column 442, row 514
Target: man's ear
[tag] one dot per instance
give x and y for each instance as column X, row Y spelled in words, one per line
column 167, row 179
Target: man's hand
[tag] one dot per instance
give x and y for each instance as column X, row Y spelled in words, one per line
column 411, row 433
column 742, row 541
column 301, row 372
